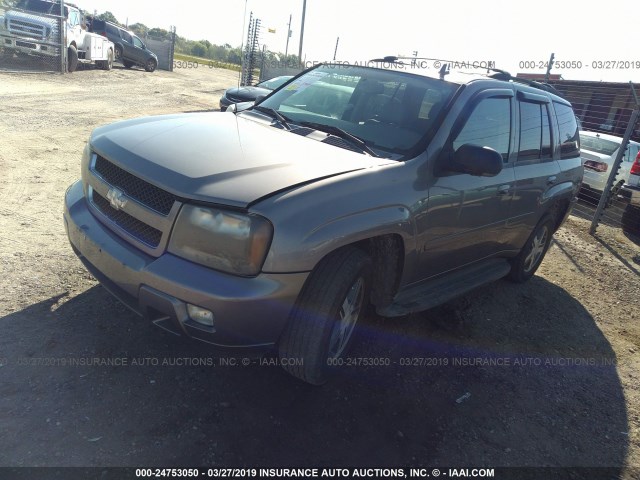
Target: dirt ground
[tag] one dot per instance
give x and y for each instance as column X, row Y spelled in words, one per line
column 542, row 374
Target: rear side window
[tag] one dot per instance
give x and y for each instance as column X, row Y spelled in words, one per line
column 535, row 132
column 489, row 125
column 568, row 126
column 113, row 31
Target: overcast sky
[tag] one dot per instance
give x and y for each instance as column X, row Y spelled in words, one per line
column 502, row 31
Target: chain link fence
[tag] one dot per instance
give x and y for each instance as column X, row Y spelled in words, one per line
column 32, row 35
column 608, row 114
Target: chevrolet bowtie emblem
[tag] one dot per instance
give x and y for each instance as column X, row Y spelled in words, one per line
column 117, row 198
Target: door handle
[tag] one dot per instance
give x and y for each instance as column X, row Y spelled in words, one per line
column 504, row 189
column 551, row 180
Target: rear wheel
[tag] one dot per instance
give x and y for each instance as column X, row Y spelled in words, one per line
column 118, row 53
column 524, row 266
column 72, row 59
column 631, row 220
column 321, row 326
column 108, row 63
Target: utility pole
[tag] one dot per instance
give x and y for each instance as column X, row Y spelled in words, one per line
column 286, row 50
column 335, row 52
column 304, row 11
column 546, row 75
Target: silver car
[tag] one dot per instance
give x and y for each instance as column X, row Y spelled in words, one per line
column 276, row 227
column 599, row 150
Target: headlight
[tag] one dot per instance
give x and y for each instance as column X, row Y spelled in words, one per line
column 228, row 241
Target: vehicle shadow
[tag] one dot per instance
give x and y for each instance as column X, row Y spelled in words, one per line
column 508, row 375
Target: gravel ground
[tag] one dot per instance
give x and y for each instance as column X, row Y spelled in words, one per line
column 542, row 374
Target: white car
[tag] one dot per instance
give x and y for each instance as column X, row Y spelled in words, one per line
column 598, row 151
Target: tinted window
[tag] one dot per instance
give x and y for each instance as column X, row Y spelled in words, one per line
column 125, row 36
column 113, row 31
column 41, row 6
column 137, row 42
column 535, row 132
column 569, row 139
column 530, row 131
column 489, row 125
column 547, row 151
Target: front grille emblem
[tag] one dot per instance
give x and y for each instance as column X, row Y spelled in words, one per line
column 117, row 198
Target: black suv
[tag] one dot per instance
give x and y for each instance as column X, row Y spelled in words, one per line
column 130, row 50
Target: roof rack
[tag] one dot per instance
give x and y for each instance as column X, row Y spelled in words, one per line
column 506, row 76
column 497, row 74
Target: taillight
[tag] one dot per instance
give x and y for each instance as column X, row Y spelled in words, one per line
column 635, row 168
column 597, row 166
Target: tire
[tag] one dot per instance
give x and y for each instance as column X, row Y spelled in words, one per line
column 524, row 266
column 118, row 53
column 151, row 65
column 127, row 64
column 72, row 59
column 631, row 220
column 319, row 330
column 108, row 63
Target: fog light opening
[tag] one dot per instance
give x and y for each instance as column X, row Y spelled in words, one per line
column 200, row 315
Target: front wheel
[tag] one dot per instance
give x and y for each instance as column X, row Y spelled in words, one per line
column 321, row 326
column 151, row 65
column 530, row 257
column 72, row 59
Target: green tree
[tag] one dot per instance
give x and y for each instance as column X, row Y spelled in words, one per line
column 199, row 49
column 108, row 17
column 159, row 33
column 139, row 29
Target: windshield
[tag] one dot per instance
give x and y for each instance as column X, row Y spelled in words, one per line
column 598, row 145
column 390, row 111
column 40, row 6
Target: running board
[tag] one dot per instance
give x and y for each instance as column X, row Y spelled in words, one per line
column 435, row 292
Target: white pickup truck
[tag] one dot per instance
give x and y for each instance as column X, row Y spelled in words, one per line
column 33, row 27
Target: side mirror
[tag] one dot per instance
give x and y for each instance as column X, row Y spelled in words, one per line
column 476, row 160
column 232, row 108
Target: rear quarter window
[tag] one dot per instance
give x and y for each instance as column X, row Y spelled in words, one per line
column 568, row 127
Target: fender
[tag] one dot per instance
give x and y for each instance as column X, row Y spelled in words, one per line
column 341, row 231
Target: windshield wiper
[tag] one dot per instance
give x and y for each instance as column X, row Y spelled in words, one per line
column 284, row 121
column 338, row 132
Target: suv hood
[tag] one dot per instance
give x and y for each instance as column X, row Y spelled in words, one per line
column 220, row 157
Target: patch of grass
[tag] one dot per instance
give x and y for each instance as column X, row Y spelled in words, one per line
column 206, row 62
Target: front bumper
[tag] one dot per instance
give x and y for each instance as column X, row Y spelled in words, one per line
column 27, row 45
column 248, row 312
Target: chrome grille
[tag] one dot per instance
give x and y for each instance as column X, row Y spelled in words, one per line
column 147, row 194
column 32, row 30
column 134, row 227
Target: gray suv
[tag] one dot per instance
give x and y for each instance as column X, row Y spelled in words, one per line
column 351, row 187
